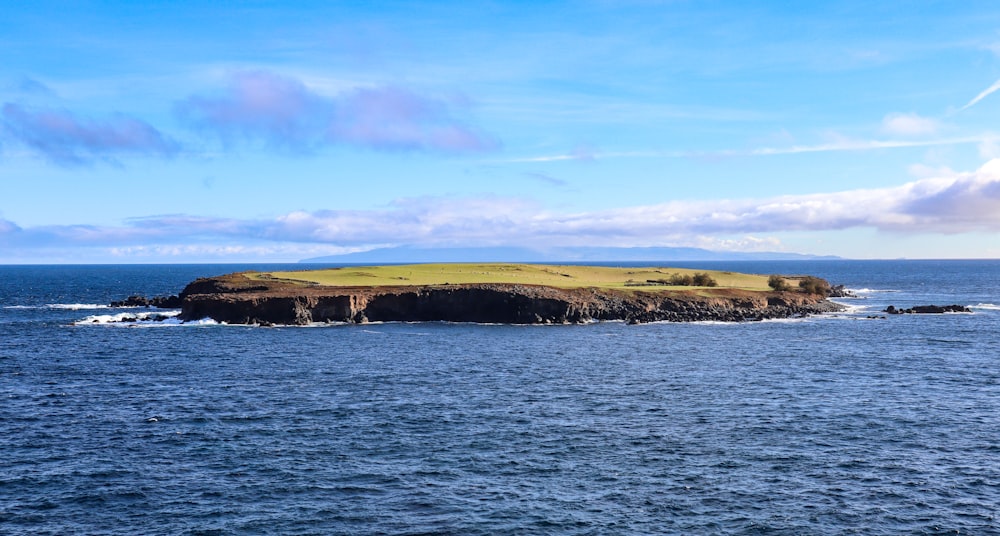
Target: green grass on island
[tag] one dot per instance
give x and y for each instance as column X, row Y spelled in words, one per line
column 562, row 276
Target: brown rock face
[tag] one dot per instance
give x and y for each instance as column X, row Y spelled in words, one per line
column 237, row 299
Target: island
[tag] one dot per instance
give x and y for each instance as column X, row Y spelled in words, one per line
column 501, row 293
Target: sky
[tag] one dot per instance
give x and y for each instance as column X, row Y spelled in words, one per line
column 163, row 132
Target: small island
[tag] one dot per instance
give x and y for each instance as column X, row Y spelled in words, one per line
column 500, row 293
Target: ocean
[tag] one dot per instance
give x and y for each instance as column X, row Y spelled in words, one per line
column 838, row 424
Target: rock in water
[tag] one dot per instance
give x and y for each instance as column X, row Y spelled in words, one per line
column 928, row 309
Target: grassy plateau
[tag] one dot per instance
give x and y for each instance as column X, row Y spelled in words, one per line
column 561, row 276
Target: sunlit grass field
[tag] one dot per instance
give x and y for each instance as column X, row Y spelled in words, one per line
column 564, row 276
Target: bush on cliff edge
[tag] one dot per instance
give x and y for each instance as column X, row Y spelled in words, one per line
column 778, row 283
column 815, row 285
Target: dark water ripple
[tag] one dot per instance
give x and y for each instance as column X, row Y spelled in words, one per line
column 836, row 426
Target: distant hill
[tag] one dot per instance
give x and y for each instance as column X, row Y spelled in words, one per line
column 566, row 254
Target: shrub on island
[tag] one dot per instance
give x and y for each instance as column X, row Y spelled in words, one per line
column 777, row 282
column 814, row 285
column 699, row 279
column 703, row 280
column 678, row 280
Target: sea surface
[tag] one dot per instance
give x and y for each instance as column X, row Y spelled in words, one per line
column 840, row 424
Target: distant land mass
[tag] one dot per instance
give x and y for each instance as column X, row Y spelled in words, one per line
column 550, row 255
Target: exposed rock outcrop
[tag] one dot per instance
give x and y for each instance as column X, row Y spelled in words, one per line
column 161, row 302
column 238, row 299
column 928, row 309
column 840, row 291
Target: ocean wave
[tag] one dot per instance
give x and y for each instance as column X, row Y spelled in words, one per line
column 641, row 325
column 843, row 315
column 199, row 322
column 312, row 325
column 789, row 320
column 153, row 317
column 852, row 312
column 76, row 306
column 871, row 290
column 985, row 307
column 852, row 308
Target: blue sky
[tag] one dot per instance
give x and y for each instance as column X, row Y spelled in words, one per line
column 258, row 131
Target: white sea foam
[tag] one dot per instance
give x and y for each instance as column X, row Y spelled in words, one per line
column 790, row 320
column 199, row 322
column 310, row 325
column 851, row 308
column 861, row 291
column 985, row 307
column 684, row 323
column 77, row 306
column 852, row 316
column 152, row 317
column 852, row 312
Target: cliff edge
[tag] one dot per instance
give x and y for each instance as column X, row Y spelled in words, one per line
column 252, row 298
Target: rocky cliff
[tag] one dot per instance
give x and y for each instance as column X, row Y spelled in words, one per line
column 239, row 299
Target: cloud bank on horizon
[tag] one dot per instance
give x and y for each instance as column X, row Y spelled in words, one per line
column 953, row 204
column 555, row 125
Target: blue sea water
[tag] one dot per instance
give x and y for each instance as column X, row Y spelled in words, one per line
column 840, row 424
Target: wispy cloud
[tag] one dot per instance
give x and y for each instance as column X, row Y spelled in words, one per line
column 64, row 138
column 225, row 252
column 948, row 203
column 259, row 104
column 284, row 112
column 846, row 145
column 545, row 178
column 985, row 93
column 7, row 227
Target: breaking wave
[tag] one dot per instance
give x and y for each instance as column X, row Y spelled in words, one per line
column 861, row 291
column 77, row 306
column 162, row 318
column 850, row 308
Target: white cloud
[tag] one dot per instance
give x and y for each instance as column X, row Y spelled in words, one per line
column 744, row 243
column 923, row 171
column 948, row 202
column 910, row 124
column 286, row 113
column 65, row 138
column 7, row 227
column 985, row 93
column 219, row 252
column 989, row 149
column 840, row 145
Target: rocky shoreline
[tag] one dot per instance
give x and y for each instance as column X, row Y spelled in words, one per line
column 239, row 299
